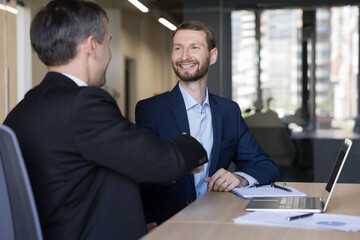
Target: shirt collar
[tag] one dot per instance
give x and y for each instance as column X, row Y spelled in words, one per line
column 76, row 80
column 189, row 100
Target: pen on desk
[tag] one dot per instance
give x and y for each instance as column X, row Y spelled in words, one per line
column 280, row 187
column 257, row 185
column 299, row 216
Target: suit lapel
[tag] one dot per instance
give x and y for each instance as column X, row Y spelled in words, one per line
column 216, row 113
column 181, row 119
column 179, row 111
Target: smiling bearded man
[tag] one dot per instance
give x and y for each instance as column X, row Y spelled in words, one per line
column 214, row 121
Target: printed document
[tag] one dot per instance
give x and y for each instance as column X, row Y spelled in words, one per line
column 318, row 220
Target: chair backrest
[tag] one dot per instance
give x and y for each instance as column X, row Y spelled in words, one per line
column 18, row 216
column 276, row 141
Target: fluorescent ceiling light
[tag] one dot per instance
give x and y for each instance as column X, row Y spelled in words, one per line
column 139, row 5
column 8, row 8
column 167, row 24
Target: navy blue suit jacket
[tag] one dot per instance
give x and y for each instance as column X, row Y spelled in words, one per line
column 166, row 116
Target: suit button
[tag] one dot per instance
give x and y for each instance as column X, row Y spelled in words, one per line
column 188, row 201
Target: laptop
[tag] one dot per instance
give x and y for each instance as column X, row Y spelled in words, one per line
column 304, row 204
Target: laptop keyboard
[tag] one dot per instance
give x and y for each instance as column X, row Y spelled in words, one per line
column 294, row 202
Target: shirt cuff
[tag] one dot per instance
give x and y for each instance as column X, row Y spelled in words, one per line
column 252, row 181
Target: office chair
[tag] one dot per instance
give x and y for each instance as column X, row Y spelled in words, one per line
column 18, row 214
column 274, row 137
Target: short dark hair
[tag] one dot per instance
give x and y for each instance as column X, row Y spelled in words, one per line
column 199, row 26
column 59, row 27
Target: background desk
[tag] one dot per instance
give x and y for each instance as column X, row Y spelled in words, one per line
column 319, row 150
column 210, row 217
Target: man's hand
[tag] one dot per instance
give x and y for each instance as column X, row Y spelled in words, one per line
column 151, row 226
column 224, row 180
column 197, row 169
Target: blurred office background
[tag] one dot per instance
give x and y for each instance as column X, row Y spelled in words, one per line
column 292, row 66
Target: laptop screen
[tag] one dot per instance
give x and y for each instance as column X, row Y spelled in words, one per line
column 336, row 170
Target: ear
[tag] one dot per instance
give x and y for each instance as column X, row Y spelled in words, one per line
column 213, row 55
column 89, row 45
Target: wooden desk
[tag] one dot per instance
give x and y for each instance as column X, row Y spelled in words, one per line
column 210, row 217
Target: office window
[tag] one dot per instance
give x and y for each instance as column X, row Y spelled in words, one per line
column 337, row 55
column 267, row 67
column 244, row 64
column 267, row 63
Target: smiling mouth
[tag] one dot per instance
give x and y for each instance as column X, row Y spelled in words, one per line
column 187, row 65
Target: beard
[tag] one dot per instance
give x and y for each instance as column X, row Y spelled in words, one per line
column 200, row 72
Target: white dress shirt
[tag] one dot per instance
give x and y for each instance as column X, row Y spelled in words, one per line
column 76, row 80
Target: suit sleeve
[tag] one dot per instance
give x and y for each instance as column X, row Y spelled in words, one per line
column 144, row 118
column 104, row 137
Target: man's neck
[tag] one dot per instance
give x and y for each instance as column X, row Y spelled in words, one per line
column 73, row 69
column 196, row 89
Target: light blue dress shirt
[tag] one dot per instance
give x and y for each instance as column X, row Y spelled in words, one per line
column 200, row 123
column 201, row 129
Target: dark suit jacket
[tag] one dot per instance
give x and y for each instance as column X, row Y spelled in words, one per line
column 166, row 116
column 85, row 160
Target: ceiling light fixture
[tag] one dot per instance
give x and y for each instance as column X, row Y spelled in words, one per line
column 139, row 5
column 8, row 8
column 167, row 24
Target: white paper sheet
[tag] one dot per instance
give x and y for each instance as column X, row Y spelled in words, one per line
column 319, row 220
column 267, row 191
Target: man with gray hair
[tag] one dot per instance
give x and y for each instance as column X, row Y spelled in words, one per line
column 84, row 159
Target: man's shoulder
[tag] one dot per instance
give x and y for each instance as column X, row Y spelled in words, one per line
column 94, row 90
column 162, row 98
column 224, row 102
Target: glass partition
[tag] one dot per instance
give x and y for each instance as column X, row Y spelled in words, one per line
column 268, row 65
column 266, row 68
